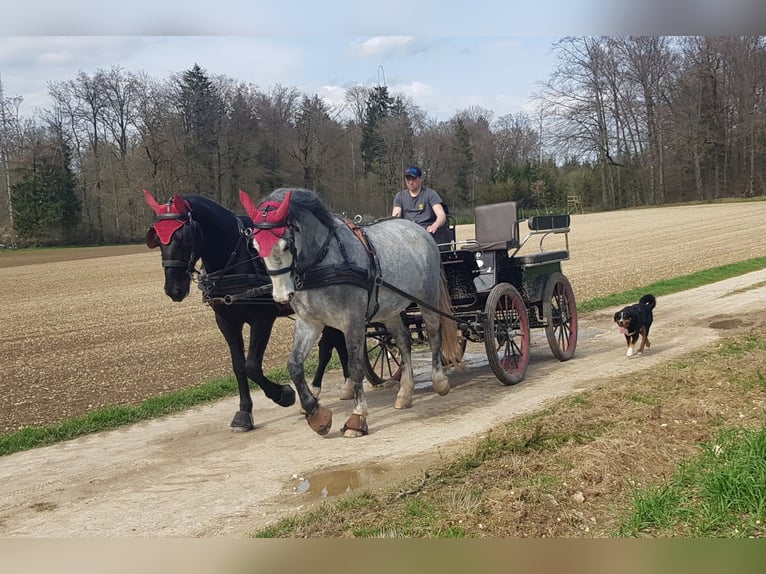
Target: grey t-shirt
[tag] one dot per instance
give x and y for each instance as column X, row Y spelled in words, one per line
column 419, row 208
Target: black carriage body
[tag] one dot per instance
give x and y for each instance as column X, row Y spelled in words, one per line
column 474, row 268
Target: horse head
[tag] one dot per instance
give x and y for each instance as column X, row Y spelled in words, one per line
column 273, row 239
column 174, row 232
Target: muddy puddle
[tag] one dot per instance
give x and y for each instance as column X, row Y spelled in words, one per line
column 339, row 480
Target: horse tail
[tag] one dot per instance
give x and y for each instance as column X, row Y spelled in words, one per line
column 450, row 351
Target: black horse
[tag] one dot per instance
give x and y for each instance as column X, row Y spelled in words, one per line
column 234, row 283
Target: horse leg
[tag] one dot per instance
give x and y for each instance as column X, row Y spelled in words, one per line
column 319, row 418
column 338, row 342
column 325, row 354
column 401, row 336
column 260, row 332
column 439, row 380
column 232, row 332
column 340, row 347
column 356, row 425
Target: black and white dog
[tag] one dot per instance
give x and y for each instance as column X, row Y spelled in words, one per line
column 636, row 320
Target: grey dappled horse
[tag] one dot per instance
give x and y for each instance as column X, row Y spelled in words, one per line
column 327, row 272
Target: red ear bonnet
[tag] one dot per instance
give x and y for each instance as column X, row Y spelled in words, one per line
column 171, row 216
column 269, row 220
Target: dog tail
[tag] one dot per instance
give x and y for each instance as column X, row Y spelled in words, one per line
column 648, row 300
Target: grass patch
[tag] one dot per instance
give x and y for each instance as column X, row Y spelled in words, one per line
column 107, row 418
column 739, row 347
column 720, row 493
column 669, row 286
column 643, row 400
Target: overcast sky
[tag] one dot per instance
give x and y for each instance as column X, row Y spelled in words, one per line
column 445, row 55
column 440, row 74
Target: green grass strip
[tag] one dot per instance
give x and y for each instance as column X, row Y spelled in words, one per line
column 107, row 418
column 720, row 493
column 669, row 286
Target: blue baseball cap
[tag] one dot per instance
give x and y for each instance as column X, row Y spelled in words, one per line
column 413, row 171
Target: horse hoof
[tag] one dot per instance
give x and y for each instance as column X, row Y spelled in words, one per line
column 402, row 403
column 242, row 422
column 287, row 397
column 355, row 426
column 441, row 386
column 321, row 422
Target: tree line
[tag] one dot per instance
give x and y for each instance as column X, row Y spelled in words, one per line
column 621, row 122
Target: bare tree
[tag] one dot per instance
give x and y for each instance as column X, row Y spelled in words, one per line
column 276, row 111
column 516, row 139
column 650, row 67
column 356, row 100
column 240, row 133
column 10, row 135
column 161, row 135
column 577, row 99
column 76, row 115
column 315, row 147
column 120, row 94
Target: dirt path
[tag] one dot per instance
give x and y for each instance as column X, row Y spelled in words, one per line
column 189, row 475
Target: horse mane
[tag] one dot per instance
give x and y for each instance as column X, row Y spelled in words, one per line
column 221, row 214
column 305, row 201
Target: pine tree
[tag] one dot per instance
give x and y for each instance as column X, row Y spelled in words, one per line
column 47, row 209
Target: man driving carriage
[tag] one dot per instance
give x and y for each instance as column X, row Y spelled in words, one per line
column 425, row 207
column 422, row 205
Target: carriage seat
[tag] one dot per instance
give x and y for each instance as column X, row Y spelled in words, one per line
column 496, row 227
column 545, row 225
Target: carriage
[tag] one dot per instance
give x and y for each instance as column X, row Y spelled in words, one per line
column 501, row 286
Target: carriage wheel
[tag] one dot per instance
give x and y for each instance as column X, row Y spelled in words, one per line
column 382, row 358
column 506, row 333
column 560, row 314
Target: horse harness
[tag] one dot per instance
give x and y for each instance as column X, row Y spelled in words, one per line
column 219, row 286
column 229, row 288
column 313, row 275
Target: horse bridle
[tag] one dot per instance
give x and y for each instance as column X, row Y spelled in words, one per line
column 178, row 263
column 268, row 226
column 298, row 273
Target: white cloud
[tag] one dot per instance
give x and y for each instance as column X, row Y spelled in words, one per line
column 415, row 90
column 333, row 95
column 386, row 45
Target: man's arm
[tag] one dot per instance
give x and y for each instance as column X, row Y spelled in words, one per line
column 397, row 210
column 441, row 218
